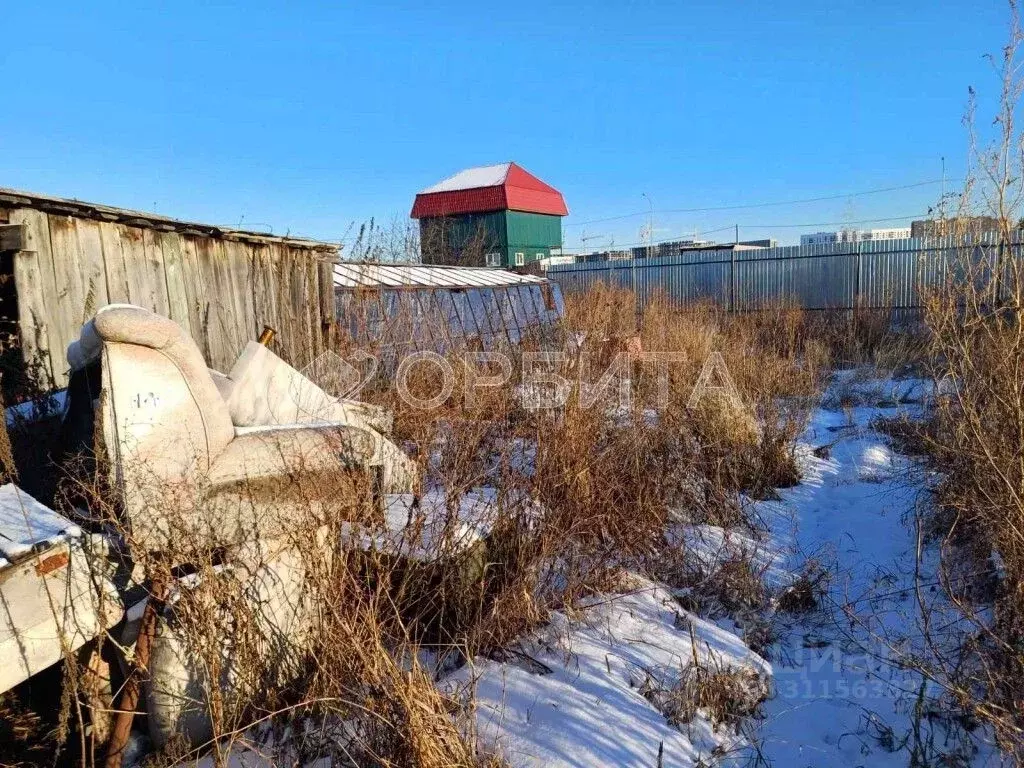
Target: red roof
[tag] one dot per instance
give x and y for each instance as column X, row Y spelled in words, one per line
column 489, row 188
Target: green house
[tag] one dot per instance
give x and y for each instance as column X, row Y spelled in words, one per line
column 494, row 215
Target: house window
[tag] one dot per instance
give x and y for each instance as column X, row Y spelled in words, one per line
column 520, row 259
column 540, row 256
column 494, row 259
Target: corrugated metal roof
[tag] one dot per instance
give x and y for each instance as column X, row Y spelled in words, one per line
column 372, row 275
column 489, row 188
column 472, row 178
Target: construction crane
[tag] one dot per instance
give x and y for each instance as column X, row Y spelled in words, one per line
column 585, row 238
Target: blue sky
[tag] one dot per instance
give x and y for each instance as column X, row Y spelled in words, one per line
column 309, row 117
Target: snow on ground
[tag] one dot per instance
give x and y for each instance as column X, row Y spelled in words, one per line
column 834, row 700
column 575, row 694
column 840, row 698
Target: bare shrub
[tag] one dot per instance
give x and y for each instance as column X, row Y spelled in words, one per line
column 725, row 694
column 805, row 593
column 976, row 430
column 736, row 585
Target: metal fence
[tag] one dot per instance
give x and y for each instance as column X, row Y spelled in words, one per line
column 890, row 274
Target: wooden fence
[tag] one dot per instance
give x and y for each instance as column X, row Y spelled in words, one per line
column 70, row 259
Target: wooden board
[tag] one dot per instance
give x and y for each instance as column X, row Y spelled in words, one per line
column 93, row 272
column 231, row 267
column 153, row 273
column 222, row 291
column 273, row 298
column 264, row 299
column 113, row 264
column 11, row 236
column 196, row 294
column 220, row 331
column 34, row 281
column 133, row 251
column 68, row 308
column 173, row 249
column 242, row 279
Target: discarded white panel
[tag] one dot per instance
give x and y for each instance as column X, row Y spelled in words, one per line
column 49, row 603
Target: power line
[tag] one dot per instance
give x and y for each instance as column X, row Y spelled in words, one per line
column 758, row 205
column 730, row 227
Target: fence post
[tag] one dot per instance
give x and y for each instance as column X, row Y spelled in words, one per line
column 636, row 296
column 856, row 281
column 732, row 280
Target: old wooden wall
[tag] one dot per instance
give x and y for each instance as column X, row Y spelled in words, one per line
column 223, row 287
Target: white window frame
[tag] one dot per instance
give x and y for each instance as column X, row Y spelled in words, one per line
column 520, row 258
column 493, row 259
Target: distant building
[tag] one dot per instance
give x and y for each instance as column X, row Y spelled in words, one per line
column 556, row 259
column 492, row 215
column 974, row 225
column 855, row 236
column 675, row 247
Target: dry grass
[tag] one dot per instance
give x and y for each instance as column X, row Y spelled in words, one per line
column 579, row 493
column 726, row 695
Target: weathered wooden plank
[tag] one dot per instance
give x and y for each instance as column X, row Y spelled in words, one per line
column 12, row 236
column 37, row 293
column 133, row 251
column 245, row 278
column 313, row 316
column 220, row 329
column 172, row 247
column 118, row 291
column 196, row 293
column 155, row 275
column 227, row 304
column 68, row 311
column 233, row 266
column 325, row 280
column 286, row 288
column 264, row 299
column 93, row 271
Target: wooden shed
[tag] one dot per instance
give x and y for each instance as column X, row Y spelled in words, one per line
column 60, row 260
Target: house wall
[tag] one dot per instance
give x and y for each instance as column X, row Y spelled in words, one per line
column 467, row 239
column 222, row 290
column 532, row 234
column 462, row 240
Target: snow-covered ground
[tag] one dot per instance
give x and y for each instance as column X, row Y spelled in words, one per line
column 575, row 696
column 589, row 688
column 574, row 693
column 842, row 697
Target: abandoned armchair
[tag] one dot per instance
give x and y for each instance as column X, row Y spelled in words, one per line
column 192, row 455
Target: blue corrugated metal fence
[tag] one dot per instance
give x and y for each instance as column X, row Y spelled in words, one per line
column 879, row 274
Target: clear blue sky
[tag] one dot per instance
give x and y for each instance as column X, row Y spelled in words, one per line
column 311, row 116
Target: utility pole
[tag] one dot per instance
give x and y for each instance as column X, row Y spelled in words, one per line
column 737, row 240
column 942, row 194
column 650, row 224
column 650, row 245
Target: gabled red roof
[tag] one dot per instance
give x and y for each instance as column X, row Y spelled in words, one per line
column 489, row 188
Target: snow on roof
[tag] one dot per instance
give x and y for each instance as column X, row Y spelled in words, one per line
column 472, row 178
column 363, row 274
